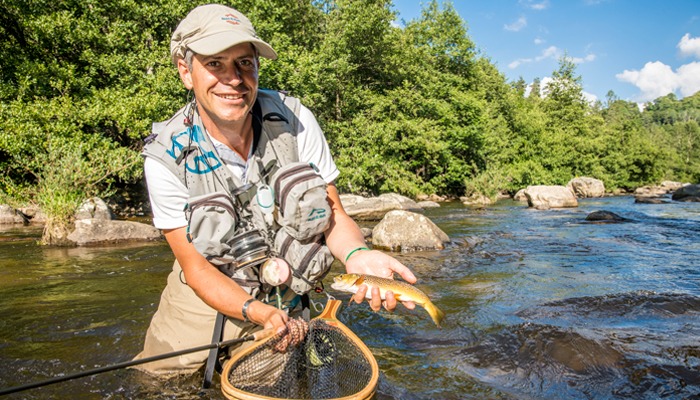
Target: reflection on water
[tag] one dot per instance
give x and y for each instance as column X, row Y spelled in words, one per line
column 539, row 304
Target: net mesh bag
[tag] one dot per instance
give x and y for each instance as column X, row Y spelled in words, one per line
column 330, row 363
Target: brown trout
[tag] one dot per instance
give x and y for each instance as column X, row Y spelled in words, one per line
column 402, row 291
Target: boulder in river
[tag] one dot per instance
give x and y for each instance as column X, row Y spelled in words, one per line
column 584, row 187
column 408, row 231
column 374, row 208
column 544, row 197
column 687, row 193
column 97, row 231
column 9, row 215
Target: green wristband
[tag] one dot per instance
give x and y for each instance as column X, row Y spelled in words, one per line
column 353, row 252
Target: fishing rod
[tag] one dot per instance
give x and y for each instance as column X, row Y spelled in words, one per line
column 254, row 337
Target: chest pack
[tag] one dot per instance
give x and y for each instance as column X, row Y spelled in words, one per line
column 279, row 208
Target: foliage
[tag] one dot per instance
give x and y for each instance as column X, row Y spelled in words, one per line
column 409, row 109
column 80, row 84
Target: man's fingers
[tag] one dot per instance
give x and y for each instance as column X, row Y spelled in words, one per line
column 359, row 296
column 376, row 302
column 390, row 301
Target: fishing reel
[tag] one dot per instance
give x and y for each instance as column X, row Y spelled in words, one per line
column 249, row 247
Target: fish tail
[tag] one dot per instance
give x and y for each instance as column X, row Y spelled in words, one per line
column 435, row 313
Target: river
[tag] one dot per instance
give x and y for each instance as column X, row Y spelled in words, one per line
column 539, row 304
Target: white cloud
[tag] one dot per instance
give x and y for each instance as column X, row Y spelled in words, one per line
column 689, row 78
column 539, row 41
column 689, row 46
column 541, row 5
column 517, row 25
column 587, row 58
column 655, row 79
column 550, row 52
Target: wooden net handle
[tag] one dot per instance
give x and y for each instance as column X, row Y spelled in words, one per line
column 331, row 309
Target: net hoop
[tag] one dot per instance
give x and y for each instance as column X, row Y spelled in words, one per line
column 329, row 316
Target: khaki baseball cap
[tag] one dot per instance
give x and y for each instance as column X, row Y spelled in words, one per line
column 213, row 28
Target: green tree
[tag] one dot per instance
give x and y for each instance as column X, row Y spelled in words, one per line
column 80, row 84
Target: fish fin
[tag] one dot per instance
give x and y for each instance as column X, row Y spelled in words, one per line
column 435, row 313
column 360, row 280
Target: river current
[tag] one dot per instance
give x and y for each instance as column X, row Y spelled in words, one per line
column 539, row 304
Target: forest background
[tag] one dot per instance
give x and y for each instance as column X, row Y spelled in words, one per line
column 414, row 109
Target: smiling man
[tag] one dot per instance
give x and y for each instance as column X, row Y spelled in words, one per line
column 219, row 173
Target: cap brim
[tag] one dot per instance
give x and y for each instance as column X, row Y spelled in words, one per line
column 218, row 42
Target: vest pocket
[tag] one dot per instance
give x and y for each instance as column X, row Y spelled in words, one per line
column 301, row 197
column 211, row 224
column 310, row 260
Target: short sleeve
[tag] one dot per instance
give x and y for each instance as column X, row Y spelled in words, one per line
column 167, row 194
column 313, row 147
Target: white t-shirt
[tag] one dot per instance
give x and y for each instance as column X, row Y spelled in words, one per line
column 168, row 195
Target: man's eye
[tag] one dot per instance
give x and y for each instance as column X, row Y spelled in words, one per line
column 213, row 63
column 248, row 64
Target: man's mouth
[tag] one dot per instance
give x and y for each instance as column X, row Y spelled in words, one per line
column 230, row 96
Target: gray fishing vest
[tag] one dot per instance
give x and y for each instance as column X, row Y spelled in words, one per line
column 232, row 222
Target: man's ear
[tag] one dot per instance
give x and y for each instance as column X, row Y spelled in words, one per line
column 185, row 74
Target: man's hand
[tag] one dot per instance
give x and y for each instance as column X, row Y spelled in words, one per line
column 377, row 263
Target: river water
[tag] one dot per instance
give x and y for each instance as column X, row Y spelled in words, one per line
column 539, row 304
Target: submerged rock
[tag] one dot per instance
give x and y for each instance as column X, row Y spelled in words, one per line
column 649, row 200
column 604, row 216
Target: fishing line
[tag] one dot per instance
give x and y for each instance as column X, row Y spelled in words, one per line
column 254, row 337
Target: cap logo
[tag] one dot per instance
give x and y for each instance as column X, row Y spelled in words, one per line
column 231, row 19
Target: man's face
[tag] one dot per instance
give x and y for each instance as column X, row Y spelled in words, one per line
column 224, row 84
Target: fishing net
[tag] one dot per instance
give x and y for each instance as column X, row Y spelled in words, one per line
column 330, row 363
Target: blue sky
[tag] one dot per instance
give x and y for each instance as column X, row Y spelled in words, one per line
column 640, row 49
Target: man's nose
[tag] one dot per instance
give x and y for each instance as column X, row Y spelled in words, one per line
column 233, row 75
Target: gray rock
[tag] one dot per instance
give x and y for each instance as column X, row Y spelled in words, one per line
column 374, row 208
column 476, row 200
column 428, row 204
column 584, row 187
column 520, row 195
column 407, row 231
column 604, row 216
column 650, row 191
column 94, row 231
column 649, row 200
column 9, row 215
column 543, row 197
column 34, row 213
column 686, row 193
column 94, row 208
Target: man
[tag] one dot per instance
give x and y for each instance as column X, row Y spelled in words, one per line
column 225, row 148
